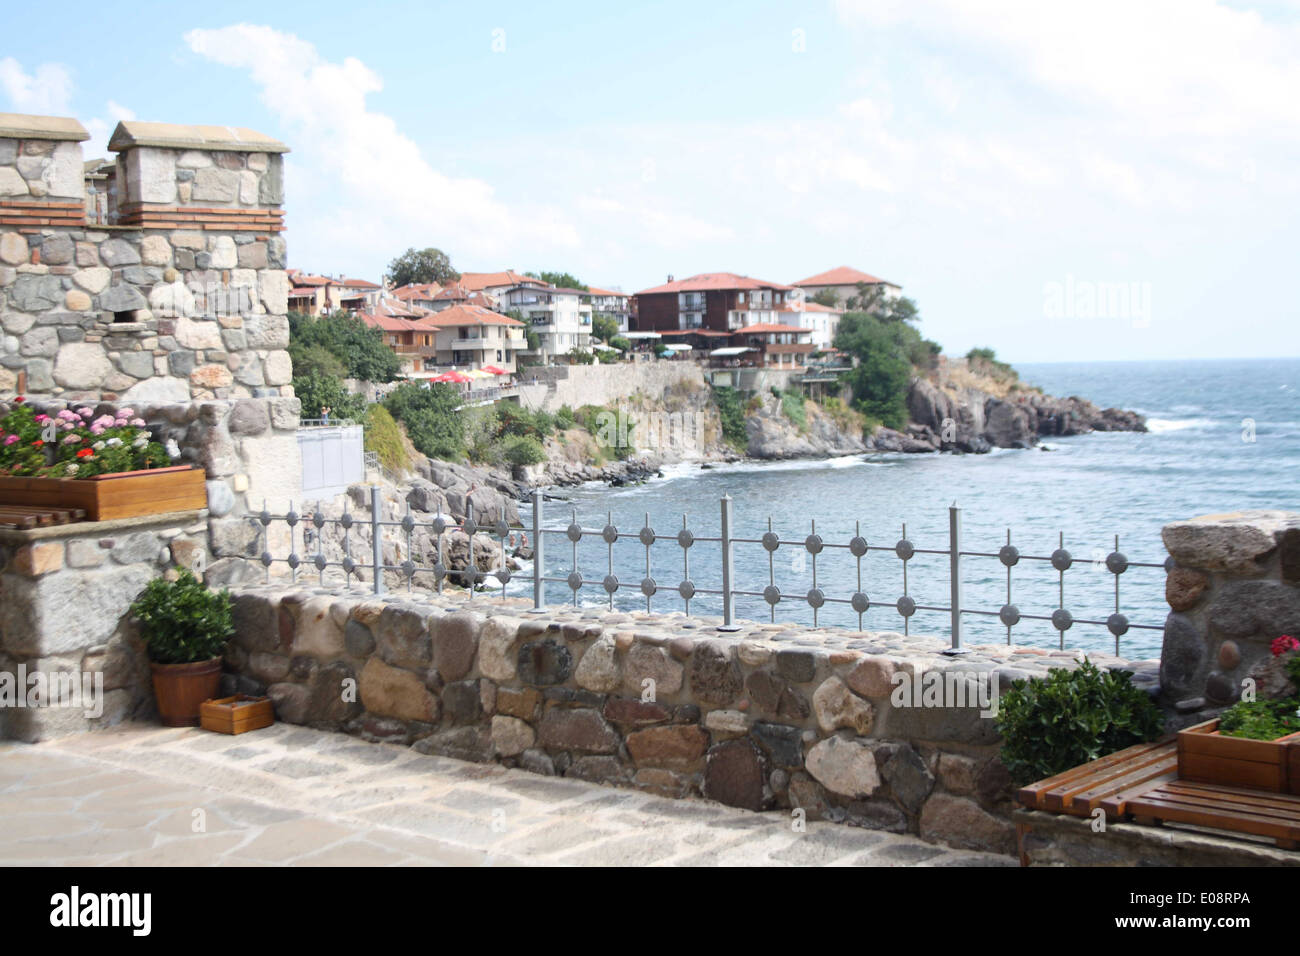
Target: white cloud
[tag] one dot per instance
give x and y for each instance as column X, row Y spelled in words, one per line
column 374, row 188
column 47, row 90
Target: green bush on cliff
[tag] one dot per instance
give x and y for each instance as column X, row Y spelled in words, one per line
column 1070, row 718
column 522, row 450
column 384, row 438
column 727, row 401
column 792, row 407
column 430, row 417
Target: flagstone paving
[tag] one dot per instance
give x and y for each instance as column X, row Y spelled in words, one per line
column 144, row 795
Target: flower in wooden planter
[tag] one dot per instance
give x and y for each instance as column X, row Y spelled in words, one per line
column 77, row 444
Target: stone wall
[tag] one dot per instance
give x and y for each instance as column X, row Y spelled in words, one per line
column 1235, row 588
column 181, row 295
column 577, row 385
column 64, row 594
column 770, row 717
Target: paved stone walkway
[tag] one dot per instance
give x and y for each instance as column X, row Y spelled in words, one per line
column 145, row 795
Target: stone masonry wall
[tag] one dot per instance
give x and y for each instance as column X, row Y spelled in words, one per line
column 182, row 295
column 770, row 717
column 64, row 594
column 1235, row 589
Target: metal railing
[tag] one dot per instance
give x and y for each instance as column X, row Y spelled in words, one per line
column 726, row 590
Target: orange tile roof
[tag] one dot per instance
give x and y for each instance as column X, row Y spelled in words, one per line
column 709, row 281
column 358, row 284
column 458, row 315
column 770, row 327
column 844, row 275
column 808, row 306
column 595, row 291
column 426, row 290
column 478, row 281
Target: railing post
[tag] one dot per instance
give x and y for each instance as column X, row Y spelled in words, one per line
column 954, row 572
column 376, row 540
column 539, row 586
column 728, row 623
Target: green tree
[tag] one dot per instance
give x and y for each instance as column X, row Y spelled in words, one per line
column 732, row 416
column 421, row 266
column 827, row 297
column 888, row 308
column 604, row 327
column 883, row 372
column 431, row 418
column 355, row 346
column 563, row 280
column 317, row 392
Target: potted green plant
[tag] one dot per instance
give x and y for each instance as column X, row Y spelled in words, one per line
column 185, row 627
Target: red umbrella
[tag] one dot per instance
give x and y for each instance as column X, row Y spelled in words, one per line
column 494, row 370
column 451, row 377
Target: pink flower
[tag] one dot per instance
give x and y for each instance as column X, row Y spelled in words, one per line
column 138, row 422
column 1283, row 644
column 42, row 419
column 85, row 411
column 97, row 429
column 11, row 439
column 125, row 412
column 71, row 439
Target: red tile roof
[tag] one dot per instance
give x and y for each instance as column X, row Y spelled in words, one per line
column 595, row 291
column 478, row 281
column 808, row 306
column 458, row 315
column 425, row 291
column 844, row 275
column 770, row 327
column 709, row 281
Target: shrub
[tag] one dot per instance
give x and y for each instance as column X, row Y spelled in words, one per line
column 565, row 418
column 182, row 621
column 727, row 401
column 1070, row 718
column 792, row 407
column 384, row 438
column 522, row 450
column 517, row 420
column 352, row 344
column 317, row 391
column 431, row 418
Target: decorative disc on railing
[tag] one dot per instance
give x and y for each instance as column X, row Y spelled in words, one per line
column 408, row 568
column 1009, row 615
column 293, row 560
column 292, row 517
column 408, row 524
column 438, row 525
column 346, row 521
column 686, row 589
column 320, row 562
column 685, row 538
column 647, row 536
column 861, row 603
column 348, row 564
column 813, row 543
column 1061, row 559
column 470, row 526
column 501, row 528
column 573, row 532
column 1009, row 555
column 318, row 519
column 772, row 594
column 1117, row 562
column 906, row 606
column 816, row 597
column 771, row 541
column 904, row 549
column 649, row 587
column 610, row 534
column 1117, row 624
column 439, row 571
column 267, row 559
column 503, row 575
column 264, row 517
column 858, row 546
column 1170, row 564
column 472, row 575
column 574, row 580
column 610, row 583
column 1062, row 620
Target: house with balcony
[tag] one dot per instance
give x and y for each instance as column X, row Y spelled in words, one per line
column 844, row 281
column 559, row 317
column 766, row 345
column 822, row 321
column 319, row 295
column 471, row 336
column 718, row 301
column 419, row 295
column 496, row 283
column 458, row 294
column 617, row 305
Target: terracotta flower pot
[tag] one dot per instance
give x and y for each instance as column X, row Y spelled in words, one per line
column 181, row 688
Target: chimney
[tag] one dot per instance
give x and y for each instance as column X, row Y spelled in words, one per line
column 670, row 278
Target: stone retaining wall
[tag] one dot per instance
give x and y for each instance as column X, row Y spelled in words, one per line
column 577, row 385
column 64, row 594
column 1235, row 589
column 769, row 717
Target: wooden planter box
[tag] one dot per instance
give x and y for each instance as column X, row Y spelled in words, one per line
column 236, row 715
column 1207, row 756
column 125, row 495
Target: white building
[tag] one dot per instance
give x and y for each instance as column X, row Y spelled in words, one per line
column 822, row 320
column 617, row 305
column 559, row 317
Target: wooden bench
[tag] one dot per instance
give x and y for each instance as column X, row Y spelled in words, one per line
column 1236, row 809
column 31, row 516
column 1106, row 782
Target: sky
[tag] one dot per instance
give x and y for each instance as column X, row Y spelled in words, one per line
column 1074, row 180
